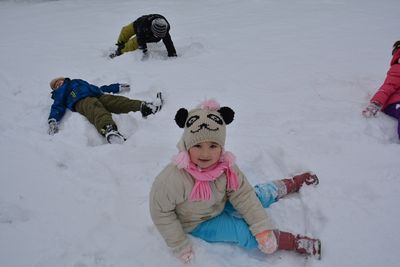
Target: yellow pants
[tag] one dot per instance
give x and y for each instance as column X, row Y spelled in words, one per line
column 127, row 36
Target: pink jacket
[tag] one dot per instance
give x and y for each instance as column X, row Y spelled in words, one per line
column 389, row 92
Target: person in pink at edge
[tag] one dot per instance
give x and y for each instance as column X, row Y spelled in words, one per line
column 202, row 192
column 387, row 98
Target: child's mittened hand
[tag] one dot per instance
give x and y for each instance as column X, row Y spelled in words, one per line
column 53, row 127
column 267, row 242
column 124, row 87
column 371, row 110
column 186, row 254
column 145, row 55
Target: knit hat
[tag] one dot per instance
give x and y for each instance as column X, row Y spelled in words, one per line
column 206, row 123
column 159, row 27
column 53, row 82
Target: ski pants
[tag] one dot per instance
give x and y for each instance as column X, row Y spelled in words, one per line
column 393, row 110
column 230, row 227
column 98, row 109
column 124, row 37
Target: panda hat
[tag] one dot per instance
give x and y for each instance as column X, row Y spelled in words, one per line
column 205, row 123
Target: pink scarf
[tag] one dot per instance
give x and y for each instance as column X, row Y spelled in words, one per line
column 201, row 190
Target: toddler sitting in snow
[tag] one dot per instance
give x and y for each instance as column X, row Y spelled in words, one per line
column 202, row 192
column 92, row 102
column 387, row 98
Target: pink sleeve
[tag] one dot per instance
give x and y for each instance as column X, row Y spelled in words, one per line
column 389, row 87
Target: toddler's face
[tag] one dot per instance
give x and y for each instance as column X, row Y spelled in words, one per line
column 205, row 154
column 58, row 83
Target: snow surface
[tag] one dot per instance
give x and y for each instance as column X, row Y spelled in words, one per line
column 297, row 73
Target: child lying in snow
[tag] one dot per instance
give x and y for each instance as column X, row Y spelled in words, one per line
column 92, row 102
column 202, row 191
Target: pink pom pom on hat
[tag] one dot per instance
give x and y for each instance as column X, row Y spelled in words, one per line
column 210, row 104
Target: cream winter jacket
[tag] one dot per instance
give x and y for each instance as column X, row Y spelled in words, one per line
column 174, row 215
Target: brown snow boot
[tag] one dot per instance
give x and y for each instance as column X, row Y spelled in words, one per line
column 294, row 184
column 301, row 244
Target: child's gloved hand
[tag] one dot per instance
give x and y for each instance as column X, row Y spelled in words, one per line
column 371, row 110
column 124, row 87
column 267, row 242
column 117, row 52
column 114, row 54
column 186, row 254
column 145, row 55
column 53, row 127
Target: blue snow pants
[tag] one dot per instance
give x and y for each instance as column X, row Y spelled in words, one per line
column 230, row 227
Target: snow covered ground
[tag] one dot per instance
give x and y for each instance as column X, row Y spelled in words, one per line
column 297, row 73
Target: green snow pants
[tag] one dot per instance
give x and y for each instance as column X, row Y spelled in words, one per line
column 98, row 109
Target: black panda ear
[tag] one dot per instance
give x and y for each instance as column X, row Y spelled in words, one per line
column 181, row 116
column 227, row 114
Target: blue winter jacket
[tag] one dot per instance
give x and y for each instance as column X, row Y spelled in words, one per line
column 68, row 94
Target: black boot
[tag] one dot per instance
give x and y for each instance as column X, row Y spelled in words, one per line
column 148, row 108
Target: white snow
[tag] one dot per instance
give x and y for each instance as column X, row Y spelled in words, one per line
column 297, row 73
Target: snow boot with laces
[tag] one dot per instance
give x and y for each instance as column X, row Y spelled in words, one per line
column 301, row 244
column 148, row 108
column 293, row 184
column 113, row 136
